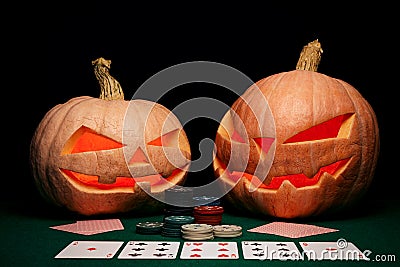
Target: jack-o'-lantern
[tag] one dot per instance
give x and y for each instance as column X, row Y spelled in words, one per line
column 104, row 155
column 326, row 144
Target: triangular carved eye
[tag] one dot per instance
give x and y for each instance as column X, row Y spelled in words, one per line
column 170, row 139
column 85, row 140
column 336, row 127
column 264, row 143
column 227, row 129
column 236, row 137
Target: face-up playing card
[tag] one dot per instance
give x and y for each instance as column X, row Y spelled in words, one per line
column 209, row 250
column 90, row 249
column 339, row 250
column 263, row 250
column 149, row 250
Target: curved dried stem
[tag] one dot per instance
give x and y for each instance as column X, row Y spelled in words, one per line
column 109, row 86
column 310, row 56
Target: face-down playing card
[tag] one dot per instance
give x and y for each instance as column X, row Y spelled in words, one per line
column 91, row 227
column 149, row 250
column 291, row 230
column 270, row 250
column 209, row 250
column 90, row 249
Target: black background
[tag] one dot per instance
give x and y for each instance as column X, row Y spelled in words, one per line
column 56, row 44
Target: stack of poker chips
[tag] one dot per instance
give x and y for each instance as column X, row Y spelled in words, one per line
column 178, row 201
column 227, row 230
column 172, row 225
column 208, row 214
column 197, row 231
column 206, row 201
column 149, row 228
column 171, row 210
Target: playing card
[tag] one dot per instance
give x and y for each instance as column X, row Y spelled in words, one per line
column 269, row 250
column 71, row 227
column 149, row 250
column 339, row 250
column 90, row 249
column 292, row 230
column 209, row 250
column 89, row 227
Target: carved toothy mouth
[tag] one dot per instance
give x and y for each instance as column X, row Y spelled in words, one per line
column 298, row 180
column 122, row 182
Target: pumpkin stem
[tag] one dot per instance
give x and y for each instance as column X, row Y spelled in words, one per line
column 310, row 56
column 109, row 86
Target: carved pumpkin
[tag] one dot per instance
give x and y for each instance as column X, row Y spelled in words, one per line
column 326, row 144
column 101, row 155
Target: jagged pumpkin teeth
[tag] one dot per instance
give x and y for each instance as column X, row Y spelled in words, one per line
column 89, row 154
column 326, row 144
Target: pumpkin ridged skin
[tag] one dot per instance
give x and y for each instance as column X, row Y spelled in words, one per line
column 108, row 118
column 298, row 100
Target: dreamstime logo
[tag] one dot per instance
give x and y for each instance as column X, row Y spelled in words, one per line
column 206, row 72
column 341, row 250
column 341, row 243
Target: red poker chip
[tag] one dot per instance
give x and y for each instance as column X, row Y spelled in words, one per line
column 211, row 215
column 219, row 208
column 208, row 218
column 205, row 210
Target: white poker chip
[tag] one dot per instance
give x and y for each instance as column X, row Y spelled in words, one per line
column 227, row 228
column 228, row 235
column 197, row 231
column 197, row 227
column 197, row 234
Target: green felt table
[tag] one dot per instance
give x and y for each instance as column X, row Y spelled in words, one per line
column 27, row 240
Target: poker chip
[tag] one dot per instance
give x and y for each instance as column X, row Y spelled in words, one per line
column 197, row 228
column 197, row 231
column 149, row 228
column 208, row 214
column 179, row 201
column 172, row 225
column 179, row 196
column 227, row 230
column 206, row 201
column 178, row 220
column 171, row 210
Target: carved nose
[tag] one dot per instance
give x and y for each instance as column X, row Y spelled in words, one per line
column 138, row 157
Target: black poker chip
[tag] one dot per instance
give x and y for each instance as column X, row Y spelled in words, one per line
column 206, row 201
column 170, row 210
column 149, row 227
column 179, row 196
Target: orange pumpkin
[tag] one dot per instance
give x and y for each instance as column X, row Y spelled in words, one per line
column 105, row 155
column 325, row 145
